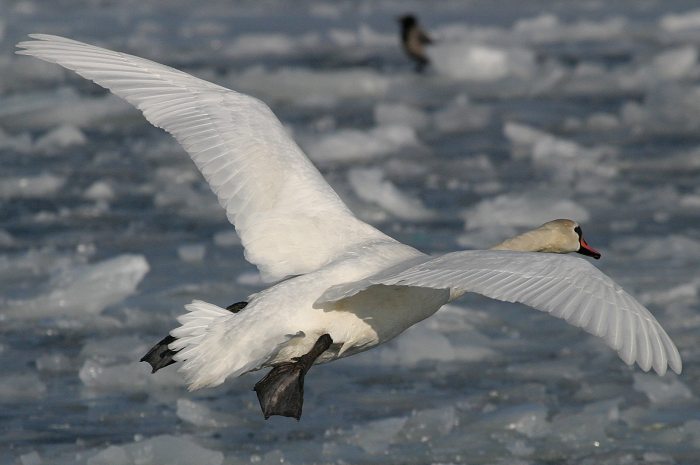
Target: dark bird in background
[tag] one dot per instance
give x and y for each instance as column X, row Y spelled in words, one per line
column 413, row 40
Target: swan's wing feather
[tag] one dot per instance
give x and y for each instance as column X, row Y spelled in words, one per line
column 567, row 287
column 289, row 219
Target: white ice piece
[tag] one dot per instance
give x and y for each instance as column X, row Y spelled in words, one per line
column 348, row 145
column 370, row 185
column 192, row 253
column 173, row 450
column 84, row 289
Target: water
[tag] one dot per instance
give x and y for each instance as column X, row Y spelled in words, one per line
column 532, row 111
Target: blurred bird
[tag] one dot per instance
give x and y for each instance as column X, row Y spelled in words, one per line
column 413, row 40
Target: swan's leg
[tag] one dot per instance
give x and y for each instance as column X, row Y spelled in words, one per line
column 160, row 356
column 281, row 391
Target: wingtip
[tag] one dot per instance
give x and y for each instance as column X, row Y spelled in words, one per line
column 674, row 363
column 24, row 45
column 39, row 37
column 677, row 366
column 674, row 358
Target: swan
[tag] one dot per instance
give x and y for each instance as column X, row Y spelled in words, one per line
column 342, row 286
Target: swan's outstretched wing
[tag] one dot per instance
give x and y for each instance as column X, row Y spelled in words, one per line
column 564, row 286
column 289, row 219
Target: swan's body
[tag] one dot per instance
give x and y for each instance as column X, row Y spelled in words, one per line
column 350, row 281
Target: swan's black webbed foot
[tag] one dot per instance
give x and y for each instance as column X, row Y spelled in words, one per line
column 160, row 356
column 281, row 391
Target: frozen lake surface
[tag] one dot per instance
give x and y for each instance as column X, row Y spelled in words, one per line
column 530, row 112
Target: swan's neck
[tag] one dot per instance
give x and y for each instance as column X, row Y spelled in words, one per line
column 531, row 241
column 542, row 239
column 538, row 240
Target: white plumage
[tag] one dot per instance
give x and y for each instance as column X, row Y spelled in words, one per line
column 289, row 219
column 354, row 282
column 566, row 287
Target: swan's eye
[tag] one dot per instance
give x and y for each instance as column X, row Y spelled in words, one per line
column 577, row 230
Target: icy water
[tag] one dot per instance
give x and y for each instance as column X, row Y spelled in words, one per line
column 531, row 111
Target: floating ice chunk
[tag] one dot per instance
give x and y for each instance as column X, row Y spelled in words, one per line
column 519, row 448
column 109, row 350
column 273, row 44
column 545, row 369
column 112, row 455
column 587, row 426
column 376, row 436
column 250, row 278
column 15, row 387
column 422, row 343
column 227, row 239
column 527, row 419
column 364, row 36
column 261, row 44
column 192, row 253
column 274, row 457
column 200, row 415
column 602, row 122
column 21, row 143
column 369, row 185
column 662, row 390
column 312, row 87
column 32, row 458
column 461, row 115
column 686, row 292
column 563, row 159
column 669, row 108
column 325, row 10
column 426, row 424
column 6, row 239
column 692, row 429
column 62, row 106
column 475, row 62
column 180, row 187
column 676, row 63
column 54, row 363
column 528, row 210
column 528, row 141
column 166, row 449
column 680, row 22
column 656, row 458
column 126, row 377
column 99, row 190
column 356, row 145
column 399, row 114
column 204, row 27
column 85, row 289
column 418, row 344
column 60, row 138
column 41, row 185
column 539, row 28
column 548, row 28
column 671, row 247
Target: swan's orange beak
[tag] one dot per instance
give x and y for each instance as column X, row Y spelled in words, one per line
column 586, row 249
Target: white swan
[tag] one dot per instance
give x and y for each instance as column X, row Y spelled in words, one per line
column 353, row 287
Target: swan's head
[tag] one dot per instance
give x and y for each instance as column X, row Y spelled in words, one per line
column 564, row 236
column 558, row 236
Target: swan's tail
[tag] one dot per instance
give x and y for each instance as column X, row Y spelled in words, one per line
column 214, row 343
